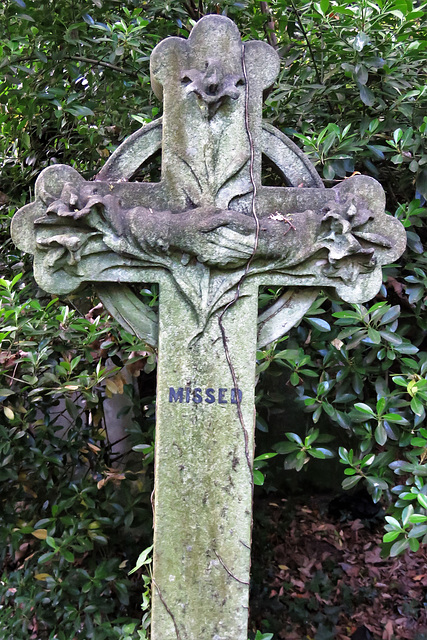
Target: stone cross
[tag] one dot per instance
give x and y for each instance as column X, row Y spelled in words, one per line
column 210, row 234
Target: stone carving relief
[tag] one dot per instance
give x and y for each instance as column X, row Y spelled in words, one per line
column 210, row 214
column 340, row 241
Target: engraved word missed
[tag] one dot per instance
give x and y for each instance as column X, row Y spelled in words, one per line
column 209, row 395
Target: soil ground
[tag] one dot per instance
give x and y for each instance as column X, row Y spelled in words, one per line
column 318, row 573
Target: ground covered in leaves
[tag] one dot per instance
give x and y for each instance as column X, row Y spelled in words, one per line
column 318, row 574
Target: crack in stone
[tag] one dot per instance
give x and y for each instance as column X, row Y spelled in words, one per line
column 230, row 573
column 178, row 635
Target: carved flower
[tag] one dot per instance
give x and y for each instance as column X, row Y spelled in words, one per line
column 347, row 258
column 212, row 85
column 64, row 247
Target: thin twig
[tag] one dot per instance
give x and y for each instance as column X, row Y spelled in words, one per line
column 228, row 570
column 245, row 545
column 304, row 33
column 152, row 503
column 115, row 458
column 113, row 444
column 13, row 374
column 104, row 64
column 93, row 61
column 313, row 59
column 167, row 609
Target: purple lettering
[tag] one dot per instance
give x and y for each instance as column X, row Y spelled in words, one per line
column 221, row 394
column 235, row 395
column 175, row 396
column 210, row 397
column 197, row 398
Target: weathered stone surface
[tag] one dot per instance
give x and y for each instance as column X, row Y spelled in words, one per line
column 203, row 484
column 317, row 236
column 280, row 317
column 210, row 234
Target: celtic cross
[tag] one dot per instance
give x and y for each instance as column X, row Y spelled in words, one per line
column 210, row 234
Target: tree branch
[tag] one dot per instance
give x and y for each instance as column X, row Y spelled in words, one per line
column 270, row 26
column 194, row 12
column 92, row 61
column 103, row 64
column 304, row 33
column 313, row 59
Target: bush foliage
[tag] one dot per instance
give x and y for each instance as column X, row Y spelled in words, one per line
column 352, row 94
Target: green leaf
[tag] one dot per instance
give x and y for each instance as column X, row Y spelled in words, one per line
column 414, row 544
column 79, row 110
column 392, row 338
column 51, row 542
column 143, row 559
column 261, row 424
column 308, row 372
column 360, row 41
column 418, row 531
column 343, row 454
column 349, row 483
column 394, row 417
column 309, row 402
column 361, row 74
column 399, row 547
column 398, row 133
column 265, row 456
column 258, row 477
column 401, row 381
column 263, row 366
column 312, row 437
column 374, row 335
column 319, row 324
column 347, row 314
column 407, row 348
column 368, row 460
column 263, row 636
column 380, row 434
column 391, row 315
column 294, row 437
column 417, row 406
column 4, row 393
column 381, row 403
column 316, row 415
column 366, row 96
column 323, row 387
column 407, row 513
column 141, row 448
column 422, row 499
column 286, row 447
column 67, row 555
column 417, row 518
column 321, row 453
column 294, row 379
column 377, row 483
column 393, row 523
column 390, row 536
column 365, row 409
column 47, row 557
column 350, row 472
